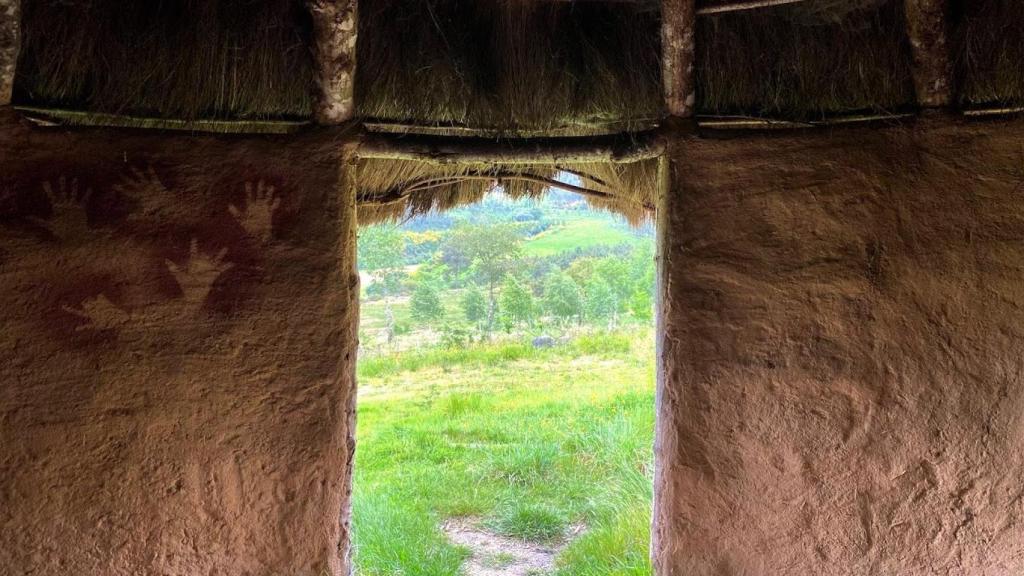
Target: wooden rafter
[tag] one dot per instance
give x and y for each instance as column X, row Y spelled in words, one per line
column 418, row 186
column 933, row 71
column 677, row 56
column 740, row 6
column 335, row 31
column 440, row 150
column 10, row 44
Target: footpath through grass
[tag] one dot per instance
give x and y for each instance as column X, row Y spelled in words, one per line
column 533, row 443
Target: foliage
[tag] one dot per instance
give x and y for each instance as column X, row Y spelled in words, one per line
column 455, row 337
column 563, row 298
column 380, row 247
column 425, row 305
column 489, row 251
column 641, row 305
column 474, row 306
column 602, row 300
column 381, row 252
column 613, row 283
column 421, row 246
column 517, row 305
column 529, row 441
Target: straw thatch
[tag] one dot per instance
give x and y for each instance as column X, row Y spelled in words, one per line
column 179, row 59
column 508, row 64
column 501, row 69
column 989, row 51
column 397, row 189
column 803, row 61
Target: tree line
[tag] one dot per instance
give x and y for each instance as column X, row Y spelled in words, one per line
column 481, row 273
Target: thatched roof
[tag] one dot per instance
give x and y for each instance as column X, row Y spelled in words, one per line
column 172, row 59
column 989, row 51
column 401, row 175
column 509, row 65
column 397, row 189
column 503, row 69
column 853, row 58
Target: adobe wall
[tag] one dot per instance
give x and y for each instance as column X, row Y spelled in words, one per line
column 842, row 367
column 176, row 354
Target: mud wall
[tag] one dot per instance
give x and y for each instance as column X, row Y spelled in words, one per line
column 176, row 354
column 842, row 362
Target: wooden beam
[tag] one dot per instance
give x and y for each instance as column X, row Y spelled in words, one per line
column 933, row 71
column 753, row 123
column 740, row 6
column 57, row 117
column 10, row 45
column 441, row 150
column 677, row 56
column 335, row 30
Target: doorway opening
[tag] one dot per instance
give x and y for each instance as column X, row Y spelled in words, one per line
column 506, row 390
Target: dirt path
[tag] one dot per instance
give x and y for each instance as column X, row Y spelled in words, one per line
column 496, row 555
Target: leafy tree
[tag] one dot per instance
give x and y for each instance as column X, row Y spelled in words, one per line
column 602, row 301
column 641, row 305
column 425, row 305
column 562, row 297
column 381, row 248
column 492, row 251
column 381, row 252
column 433, row 273
column 582, row 269
column 619, row 276
column 516, row 303
column 474, row 306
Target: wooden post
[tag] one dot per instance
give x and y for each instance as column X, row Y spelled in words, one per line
column 10, row 43
column 335, row 32
column 933, row 72
column 677, row 42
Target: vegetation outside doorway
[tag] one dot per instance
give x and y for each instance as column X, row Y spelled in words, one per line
column 506, row 392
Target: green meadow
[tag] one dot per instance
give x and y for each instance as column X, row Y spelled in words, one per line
column 581, row 234
column 552, row 446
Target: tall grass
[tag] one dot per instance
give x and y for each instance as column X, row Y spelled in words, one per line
column 493, row 354
column 533, row 444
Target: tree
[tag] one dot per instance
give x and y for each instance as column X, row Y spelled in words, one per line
column 474, row 306
column 381, row 253
column 602, row 301
column 492, row 251
column 434, row 273
column 562, row 297
column 381, row 247
column 516, row 303
column 642, row 264
column 425, row 305
column 641, row 305
column 619, row 276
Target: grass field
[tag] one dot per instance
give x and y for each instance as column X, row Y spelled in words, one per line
column 532, row 444
column 581, row 233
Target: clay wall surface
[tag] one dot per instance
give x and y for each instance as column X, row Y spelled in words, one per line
column 177, row 348
column 842, row 365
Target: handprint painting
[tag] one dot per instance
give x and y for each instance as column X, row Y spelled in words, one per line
column 157, row 260
column 167, row 290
